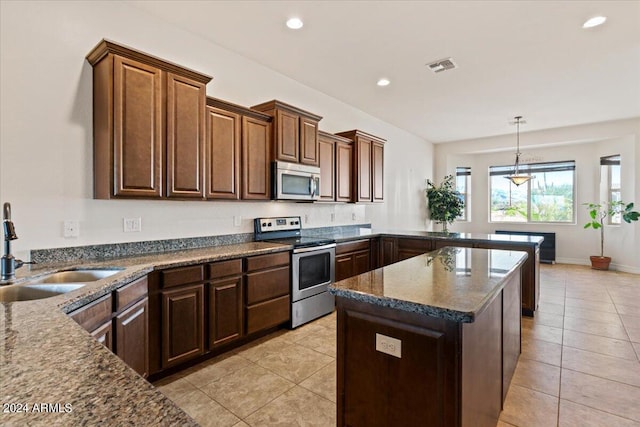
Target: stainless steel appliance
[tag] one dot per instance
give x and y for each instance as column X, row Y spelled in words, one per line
column 292, row 181
column 312, row 266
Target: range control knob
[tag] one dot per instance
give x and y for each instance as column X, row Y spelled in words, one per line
column 264, row 224
column 297, row 222
column 269, row 224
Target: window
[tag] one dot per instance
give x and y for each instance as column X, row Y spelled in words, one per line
column 548, row 197
column 463, row 186
column 610, row 178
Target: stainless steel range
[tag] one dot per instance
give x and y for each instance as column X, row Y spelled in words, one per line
column 312, row 266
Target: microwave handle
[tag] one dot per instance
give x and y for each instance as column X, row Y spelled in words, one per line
column 314, row 186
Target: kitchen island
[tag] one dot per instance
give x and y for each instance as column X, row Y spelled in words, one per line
column 432, row 340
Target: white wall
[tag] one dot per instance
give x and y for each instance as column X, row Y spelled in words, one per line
column 46, row 131
column 584, row 144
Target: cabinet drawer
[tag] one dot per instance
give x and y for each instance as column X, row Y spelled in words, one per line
column 182, row 276
column 358, row 245
column 131, row 293
column 91, row 316
column 267, row 314
column 421, row 245
column 265, row 261
column 225, row 268
column 267, row 284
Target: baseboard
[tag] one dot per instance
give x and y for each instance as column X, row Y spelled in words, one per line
column 613, row 266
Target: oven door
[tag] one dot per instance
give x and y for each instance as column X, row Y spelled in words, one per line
column 313, row 270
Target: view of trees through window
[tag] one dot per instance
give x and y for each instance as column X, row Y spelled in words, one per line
column 548, row 197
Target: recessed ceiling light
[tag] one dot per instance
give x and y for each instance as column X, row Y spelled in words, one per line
column 295, row 23
column 383, row 82
column 594, row 22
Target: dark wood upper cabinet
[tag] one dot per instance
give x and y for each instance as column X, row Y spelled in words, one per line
column 295, row 132
column 256, row 159
column 344, row 170
column 223, row 153
column 185, row 137
column 148, row 125
column 238, row 145
column 368, row 166
column 327, row 157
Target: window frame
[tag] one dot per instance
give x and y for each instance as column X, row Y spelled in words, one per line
column 531, row 169
column 608, row 162
column 464, row 171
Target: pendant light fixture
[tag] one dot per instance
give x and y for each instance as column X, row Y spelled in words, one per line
column 517, row 178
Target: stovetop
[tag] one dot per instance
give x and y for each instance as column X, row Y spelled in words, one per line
column 285, row 230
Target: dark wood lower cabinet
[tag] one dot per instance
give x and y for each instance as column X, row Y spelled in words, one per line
column 225, row 311
column 182, row 324
column 132, row 342
column 352, row 258
column 104, row 334
column 447, row 374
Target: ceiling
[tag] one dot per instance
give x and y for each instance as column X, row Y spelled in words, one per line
column 529, row 58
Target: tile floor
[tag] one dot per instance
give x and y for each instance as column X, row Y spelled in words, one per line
column 579, row 365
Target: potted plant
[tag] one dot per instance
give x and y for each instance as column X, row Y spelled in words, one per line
column 598, row 212
column 445, row 203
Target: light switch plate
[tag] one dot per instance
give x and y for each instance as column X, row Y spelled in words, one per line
column 389, row 345
column 237, row 220
column 130, row 225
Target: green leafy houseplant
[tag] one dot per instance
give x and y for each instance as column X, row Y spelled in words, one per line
column 445, row 203
column 598, row 212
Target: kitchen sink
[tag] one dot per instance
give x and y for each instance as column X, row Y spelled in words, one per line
column 76, row 276
column 28, row 292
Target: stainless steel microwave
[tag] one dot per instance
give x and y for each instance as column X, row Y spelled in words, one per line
column 292, row 181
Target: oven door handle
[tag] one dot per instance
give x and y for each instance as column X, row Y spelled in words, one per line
column 314, row 248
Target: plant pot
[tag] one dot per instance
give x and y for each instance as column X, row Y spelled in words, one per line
column 600, row 262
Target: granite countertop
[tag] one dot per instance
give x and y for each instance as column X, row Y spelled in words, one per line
column 367, row 233
column 46, row 358
column 451, row 283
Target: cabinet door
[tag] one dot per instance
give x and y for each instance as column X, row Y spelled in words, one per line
column 132, row 337
column 344, row 266
column 377, row 165
column 344, row 162
column 256, row 155
column 223, row 154
column 309, row 150
column 287, row 136
column 225, row 310
column 182, row 324
column 327, row 169
column 138, row 129
column 361, row 262
column 185, row 137
column 389, row 249
column 104, row 335
column 363, row 170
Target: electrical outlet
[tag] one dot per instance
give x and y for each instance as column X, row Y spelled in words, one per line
column 389, row 345
column 71, row 228
column 306, row 218
column 353, row 216
column 333, row 217
column 237, row 220
column 132, row 225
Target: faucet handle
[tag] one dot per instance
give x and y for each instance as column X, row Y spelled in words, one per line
column 19, row 263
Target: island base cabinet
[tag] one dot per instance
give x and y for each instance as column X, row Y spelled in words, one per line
column 404, row 368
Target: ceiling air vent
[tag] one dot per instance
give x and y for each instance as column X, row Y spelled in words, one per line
column 442, row 65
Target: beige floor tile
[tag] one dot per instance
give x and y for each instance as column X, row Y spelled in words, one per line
column 206, row 411
column 627, row 309
column 216, row 368
column 542, row 332
column 296, row 407
column 295, row 363
column 630, row 321
column 573, row 414
column 551, row 308
column 636, row 346
column 537, row 376
column 597, row 344
column 503, row 424
column 323, row 382
column 595, row 328
column 598, row 295
column 526, row 407
column 599, row 393
column 590, row 305
column 547, row 319
column 241, row 424
column 303, row 332
column 247, row 390
column 598, row 316
column 600, row 365
column 542, row 351
column 328, row 321
column 264, row 349
column 175, row 388
column 634, row 334
column 325, row 342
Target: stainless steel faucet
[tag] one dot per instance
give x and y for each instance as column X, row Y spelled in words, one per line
column 9, row 263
